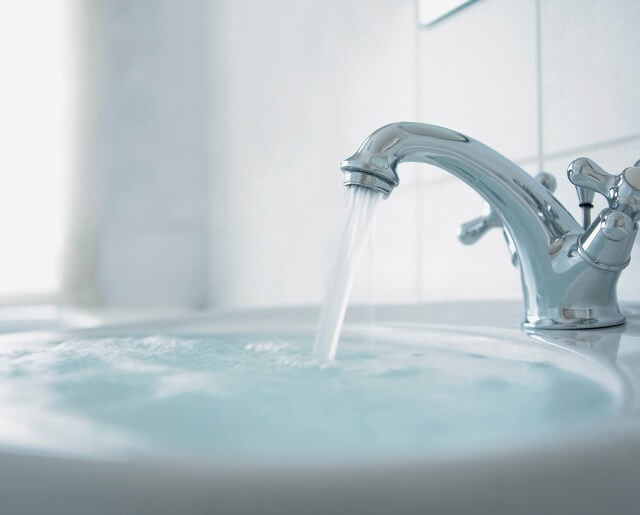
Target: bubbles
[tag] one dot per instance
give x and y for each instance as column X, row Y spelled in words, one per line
column 263, row 399
column 268, row 346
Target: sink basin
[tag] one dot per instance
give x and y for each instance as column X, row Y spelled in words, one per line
column 253, row 395
column 237, row 395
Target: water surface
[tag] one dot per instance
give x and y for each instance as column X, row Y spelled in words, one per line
column 238, row 398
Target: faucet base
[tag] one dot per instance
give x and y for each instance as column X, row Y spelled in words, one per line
column 576, row 318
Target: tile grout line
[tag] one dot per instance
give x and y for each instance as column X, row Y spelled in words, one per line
column 539, row 93
column 418, row 192
column 594, row 146
column 571, row 152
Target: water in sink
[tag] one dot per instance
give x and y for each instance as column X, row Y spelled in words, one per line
column 247, row 398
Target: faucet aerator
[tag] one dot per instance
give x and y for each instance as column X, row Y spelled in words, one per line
column 367, row 179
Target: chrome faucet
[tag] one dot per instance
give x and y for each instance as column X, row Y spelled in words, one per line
column 569, row 272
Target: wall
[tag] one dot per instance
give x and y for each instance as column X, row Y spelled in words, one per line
column 140, row 224
column 529, row 76
column 304, row 83
column 37, row 93
column 541, row 81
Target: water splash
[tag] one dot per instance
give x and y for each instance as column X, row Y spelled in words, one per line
column 261, row 398
column 362, row 204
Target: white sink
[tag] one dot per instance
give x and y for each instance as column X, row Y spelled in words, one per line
column 437, row 408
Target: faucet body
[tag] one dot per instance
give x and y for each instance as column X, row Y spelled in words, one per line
column 569, row 275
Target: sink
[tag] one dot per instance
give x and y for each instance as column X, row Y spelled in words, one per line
column 255, row 394
column 228, row 398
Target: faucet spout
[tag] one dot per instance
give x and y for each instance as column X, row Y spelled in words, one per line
column 561, row 289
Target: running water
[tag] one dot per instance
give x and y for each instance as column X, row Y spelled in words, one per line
column 362, row 204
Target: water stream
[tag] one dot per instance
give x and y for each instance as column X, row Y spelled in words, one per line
column 362, row 204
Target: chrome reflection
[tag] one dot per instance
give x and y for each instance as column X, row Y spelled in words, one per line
column 569, row 274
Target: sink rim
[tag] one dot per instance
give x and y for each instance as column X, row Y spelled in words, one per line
column 588, row 472
column 588, row 363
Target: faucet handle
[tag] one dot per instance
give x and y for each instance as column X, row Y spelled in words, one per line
column 621, row 191
column 473, row 230
column 589, row 177
column 548, row 181
column 628, row 192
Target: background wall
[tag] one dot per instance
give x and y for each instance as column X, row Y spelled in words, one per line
column 212, row 132
column 543, row 82
column 140, row 219
column 529, row 76
column 300, row 84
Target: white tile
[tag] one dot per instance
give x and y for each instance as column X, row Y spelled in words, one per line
column 153, row 154
column 451, row 270
column 478, row 75
column 590, row 71
column 272, row 251
column 153, row 268
column 395, row 250
column 613, row 159
column 304, row 84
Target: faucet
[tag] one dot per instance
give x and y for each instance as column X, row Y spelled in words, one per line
column 569, row 271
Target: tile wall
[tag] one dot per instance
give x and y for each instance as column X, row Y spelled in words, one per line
column 140, row 220
column 541, row 81
column 226, row 190
column 480, row 73
column 304, row 83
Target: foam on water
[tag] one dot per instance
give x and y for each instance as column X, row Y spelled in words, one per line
column 256, row 399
